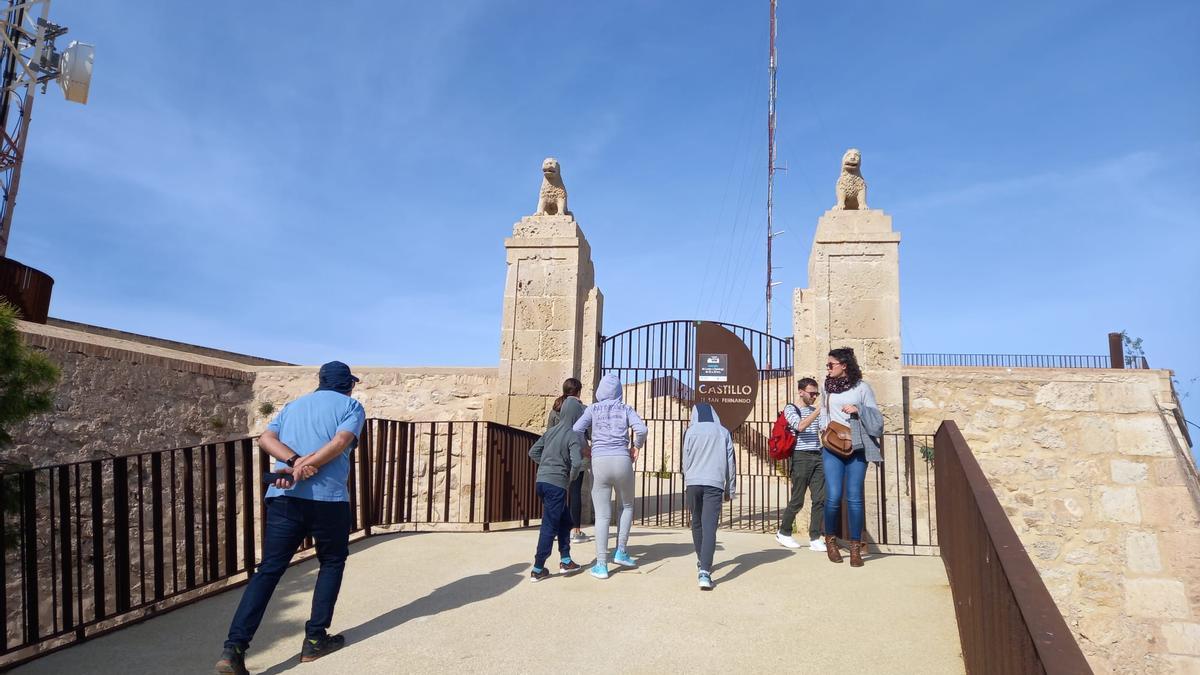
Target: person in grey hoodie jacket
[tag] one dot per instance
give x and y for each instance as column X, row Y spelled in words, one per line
column 559, row 456
column 610, row 420
column 709, row 476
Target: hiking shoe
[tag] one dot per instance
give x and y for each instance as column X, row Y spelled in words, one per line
column 817, row 545
column 786, row 540
column 705, row 581
column 622, row 558
column 568, row 567
column 315, row 648
column 579, row 537
column 537, row 575
column 600, row 570
column 232, row 661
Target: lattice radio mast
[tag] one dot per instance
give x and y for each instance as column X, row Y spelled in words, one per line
column 771, row 233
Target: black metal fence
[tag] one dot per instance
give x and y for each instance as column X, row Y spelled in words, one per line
column 92, row 546
column 1007, row 621
column 1021, row 361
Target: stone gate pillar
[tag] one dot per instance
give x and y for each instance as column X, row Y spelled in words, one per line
column 853, row 300
column 552, row 318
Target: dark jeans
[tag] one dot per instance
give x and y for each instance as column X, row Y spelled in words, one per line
column 705, row 503
column 853, row 472
column 808, row 473
column 575, row 495
column 289, row 521
column 556, row 523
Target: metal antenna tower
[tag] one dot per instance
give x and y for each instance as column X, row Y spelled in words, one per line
column 29, row 60
column 771, row 233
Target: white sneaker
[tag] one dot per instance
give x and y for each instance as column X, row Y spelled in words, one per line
column 786, row 540
column 817, row 545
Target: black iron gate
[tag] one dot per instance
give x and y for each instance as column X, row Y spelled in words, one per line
column 656, row 364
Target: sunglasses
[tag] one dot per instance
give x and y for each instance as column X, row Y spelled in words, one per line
column 814, row 394
column 829, row 366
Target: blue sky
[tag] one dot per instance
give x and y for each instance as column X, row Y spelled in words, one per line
column 337, row 181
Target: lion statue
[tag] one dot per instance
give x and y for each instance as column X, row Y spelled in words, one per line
column 851, row 188
column 552, row 200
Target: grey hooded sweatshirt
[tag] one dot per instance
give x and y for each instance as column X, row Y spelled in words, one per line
column 708, row 452
column 610, row 421
column 559, row 452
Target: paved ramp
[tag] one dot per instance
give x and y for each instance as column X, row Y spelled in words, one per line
column 450, row 602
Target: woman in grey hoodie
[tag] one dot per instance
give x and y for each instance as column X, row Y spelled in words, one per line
column 709, row 476
column 610, row 420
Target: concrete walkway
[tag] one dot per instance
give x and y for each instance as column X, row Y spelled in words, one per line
column 449, row 602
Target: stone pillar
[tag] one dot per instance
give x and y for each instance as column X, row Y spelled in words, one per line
column 853, row 300
column 551, row 321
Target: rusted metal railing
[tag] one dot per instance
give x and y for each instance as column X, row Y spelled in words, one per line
column 1007, row 621
column 92, row 546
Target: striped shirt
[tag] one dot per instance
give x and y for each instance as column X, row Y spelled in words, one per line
column 809, row 439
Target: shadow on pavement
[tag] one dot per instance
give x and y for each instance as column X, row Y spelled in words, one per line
column 748, row 561
column 652, row 553
column 458, row 593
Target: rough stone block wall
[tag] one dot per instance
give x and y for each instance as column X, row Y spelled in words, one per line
column 119, row 397
column 1088, row 464
column 406, row 394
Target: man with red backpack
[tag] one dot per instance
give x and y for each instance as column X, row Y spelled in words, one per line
column 808, row 473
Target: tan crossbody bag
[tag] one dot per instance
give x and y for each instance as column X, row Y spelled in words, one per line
column 836, row 437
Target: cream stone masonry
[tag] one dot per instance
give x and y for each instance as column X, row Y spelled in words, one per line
column 853, row 300
column 551, row 322
column 118, row 396
column 406, row 394
column 1091, row 468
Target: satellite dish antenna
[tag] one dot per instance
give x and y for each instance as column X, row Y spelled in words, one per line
column 29, row 61
column 75, row 71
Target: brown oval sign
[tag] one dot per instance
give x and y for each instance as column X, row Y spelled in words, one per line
column 726, row 374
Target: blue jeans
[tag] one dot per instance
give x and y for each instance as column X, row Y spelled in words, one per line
column 289, row 521
column 853, row 471
column 556, row 523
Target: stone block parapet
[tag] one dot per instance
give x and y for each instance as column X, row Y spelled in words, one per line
column 1091, row 468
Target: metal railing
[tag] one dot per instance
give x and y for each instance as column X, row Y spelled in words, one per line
column 1020, row 361
column 1007, row 621
column 899, row 493
column 93, row 546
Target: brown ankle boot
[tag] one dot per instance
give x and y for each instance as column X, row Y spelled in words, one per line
column 831, row 549
column 856, row 549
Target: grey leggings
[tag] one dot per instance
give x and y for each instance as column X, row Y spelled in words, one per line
column 608, row 473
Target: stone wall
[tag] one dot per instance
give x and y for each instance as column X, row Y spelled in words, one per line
column 1091, row 468
column 407, row 394
column 119, row 397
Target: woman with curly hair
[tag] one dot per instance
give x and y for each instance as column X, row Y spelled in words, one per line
column 850, row 401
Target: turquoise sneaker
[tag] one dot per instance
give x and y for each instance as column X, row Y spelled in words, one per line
column 600, row 570
column 705, row 581
column 622, row 558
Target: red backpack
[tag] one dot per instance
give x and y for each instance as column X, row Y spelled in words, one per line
column 782, row 441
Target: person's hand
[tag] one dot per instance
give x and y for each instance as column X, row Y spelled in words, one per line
column 850, row 409
column 281, row 483
column 729, row 496
column 303, row 470
column 633, row 454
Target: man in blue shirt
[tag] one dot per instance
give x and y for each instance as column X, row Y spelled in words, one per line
column 311, row 440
